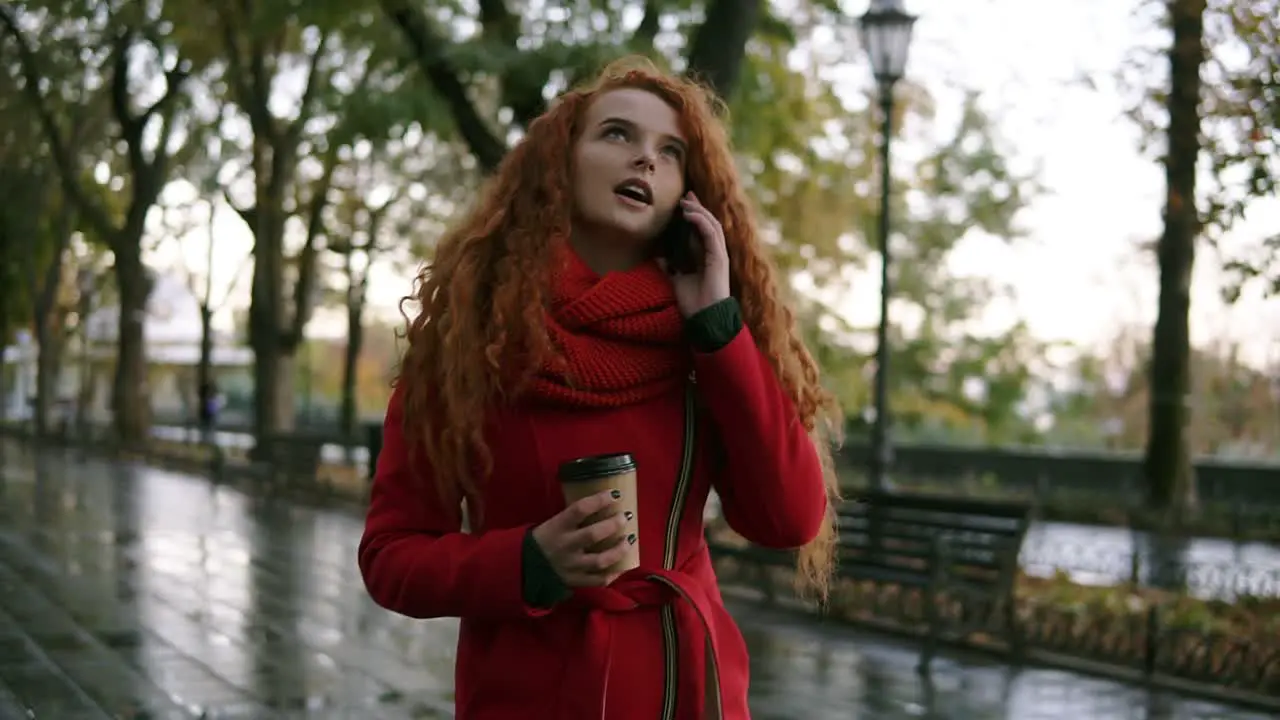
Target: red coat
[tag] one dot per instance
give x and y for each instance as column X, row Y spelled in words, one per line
column 604, row 652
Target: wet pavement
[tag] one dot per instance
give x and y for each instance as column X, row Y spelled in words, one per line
column 1210, row 567
column 132, row 592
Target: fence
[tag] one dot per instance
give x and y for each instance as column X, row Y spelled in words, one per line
column 1032, row 471
column 1220, row 639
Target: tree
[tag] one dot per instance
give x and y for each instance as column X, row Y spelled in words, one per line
column 394, row 198
column 359, row 251
column 951, row 381
column 805, row 155
column 258, row 44
column 36, row 225
column 347, row 94
column 1106, row 399
column 1241, row 124
column 92, row 48
column 195, row 218
column 23, row 250
column 1218, row 102
column 53, row 236
column 1167, row 464
column 25, row 184
column 567, row 47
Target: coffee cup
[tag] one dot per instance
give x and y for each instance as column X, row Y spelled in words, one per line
column 587, row 476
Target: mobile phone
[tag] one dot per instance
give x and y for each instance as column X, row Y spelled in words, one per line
column 680, row 245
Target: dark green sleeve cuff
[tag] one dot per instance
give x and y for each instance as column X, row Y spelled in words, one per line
column 542, row 588
column 715, row 326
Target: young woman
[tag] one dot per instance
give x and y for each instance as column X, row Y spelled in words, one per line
column 551, row 329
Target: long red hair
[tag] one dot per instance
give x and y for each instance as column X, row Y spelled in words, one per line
column 479, row 334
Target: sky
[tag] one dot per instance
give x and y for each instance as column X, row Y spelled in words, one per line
column 1078, row 275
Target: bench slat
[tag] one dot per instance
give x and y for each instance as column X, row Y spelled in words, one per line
column 994, row 526
column 909, row 533
column 970, row 557
column 939, row 503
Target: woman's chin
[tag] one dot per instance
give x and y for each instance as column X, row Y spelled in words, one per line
column 630, row 232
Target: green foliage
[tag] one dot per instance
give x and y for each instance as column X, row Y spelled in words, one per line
column 973, row 389
column 948, row 381
column 809, row 161
column 1240, row 118
column 803, row 157
column 376, row 136
column 1101, row 400
column 1242, row 113
column 27, row 186
column 15, row 295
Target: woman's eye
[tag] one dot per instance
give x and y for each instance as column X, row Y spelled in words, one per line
column 616, row 132
column 673, row 151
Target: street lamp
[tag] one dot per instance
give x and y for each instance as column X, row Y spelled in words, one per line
column 885, row 30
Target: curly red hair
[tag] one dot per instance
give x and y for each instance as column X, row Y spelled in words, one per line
column 479, row 334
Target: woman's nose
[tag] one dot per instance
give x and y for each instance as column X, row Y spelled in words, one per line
column 643, row 161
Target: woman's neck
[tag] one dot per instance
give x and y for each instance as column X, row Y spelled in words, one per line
column 607, row 257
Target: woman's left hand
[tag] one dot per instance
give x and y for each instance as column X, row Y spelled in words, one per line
column 710, row 285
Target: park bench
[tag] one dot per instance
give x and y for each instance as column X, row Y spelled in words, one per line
column 959, row 555
column 288, row 462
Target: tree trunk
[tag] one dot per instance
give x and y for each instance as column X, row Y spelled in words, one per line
column 48, row 330
column 205, row 390
column 204, row 371
column 86, row 387
column 46, row 375
column 84, row 363
column 130, row 398
column 5, row 330
column 275, row 404
column 351, row 366
column 274, row 334
column 266, row 309
column 720, row 44
column 1169, row 473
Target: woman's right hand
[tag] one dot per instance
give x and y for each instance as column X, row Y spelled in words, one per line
column 575, row 552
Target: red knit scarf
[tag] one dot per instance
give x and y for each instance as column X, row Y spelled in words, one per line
column 621, row 337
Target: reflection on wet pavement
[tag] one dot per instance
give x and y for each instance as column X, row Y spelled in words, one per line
column 132, row 592
column 804, row 670
column 1217, row 568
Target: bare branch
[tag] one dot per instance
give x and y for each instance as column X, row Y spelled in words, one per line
column 249, row 215
column 130, row 126
column 235, row 57
column 173, row 81
column 647, row 31
column 522, row 83
column 315, row 83
column 241, row 271
column 309, row 255
column 426, row 44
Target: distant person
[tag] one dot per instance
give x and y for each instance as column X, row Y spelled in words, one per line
column 209, row 405
column 613, row 256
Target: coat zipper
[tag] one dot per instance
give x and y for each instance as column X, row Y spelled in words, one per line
column 671, row 648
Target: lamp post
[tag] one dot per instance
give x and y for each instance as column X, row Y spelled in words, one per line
column 885, row 30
